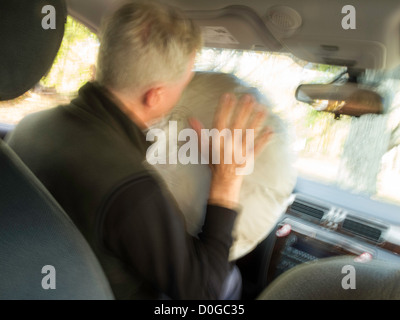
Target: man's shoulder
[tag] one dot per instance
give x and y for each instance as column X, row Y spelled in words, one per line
column 59, row 136
column 39, row 117
column 58, row 118
column 50, row 122
column 62, row 126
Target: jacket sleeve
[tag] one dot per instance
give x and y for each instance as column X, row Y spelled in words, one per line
column 146, row 230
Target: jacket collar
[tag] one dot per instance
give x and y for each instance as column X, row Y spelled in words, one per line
column 96, row 101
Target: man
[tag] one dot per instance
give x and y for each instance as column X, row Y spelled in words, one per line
column 90, row 154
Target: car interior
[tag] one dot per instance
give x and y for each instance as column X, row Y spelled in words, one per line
column 325, row 226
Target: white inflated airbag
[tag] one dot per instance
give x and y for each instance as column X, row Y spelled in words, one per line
column 264, row 193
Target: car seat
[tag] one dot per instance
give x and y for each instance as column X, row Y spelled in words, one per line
column 338, row 278
column 42, row 253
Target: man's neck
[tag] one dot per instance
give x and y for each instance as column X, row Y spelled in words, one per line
column 129, row 107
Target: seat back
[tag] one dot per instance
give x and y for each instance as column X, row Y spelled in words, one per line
column 42, row 253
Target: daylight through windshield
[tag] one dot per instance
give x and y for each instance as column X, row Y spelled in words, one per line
column 359, row 154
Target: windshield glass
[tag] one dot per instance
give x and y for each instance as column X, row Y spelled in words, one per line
column 359, row 154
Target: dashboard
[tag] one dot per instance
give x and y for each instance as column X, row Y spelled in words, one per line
column 312, row 229
column 315, row 226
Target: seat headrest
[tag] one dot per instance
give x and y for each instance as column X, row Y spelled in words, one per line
column 31, row 34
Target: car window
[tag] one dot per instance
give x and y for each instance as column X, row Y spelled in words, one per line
column 357, row 154
column 360, row 155
column 72, row 67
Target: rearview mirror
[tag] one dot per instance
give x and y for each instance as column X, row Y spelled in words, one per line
column 349, row 98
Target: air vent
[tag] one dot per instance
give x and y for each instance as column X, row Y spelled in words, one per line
column 304, row 209
column 362, row 230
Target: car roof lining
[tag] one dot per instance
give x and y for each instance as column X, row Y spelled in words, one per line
column 372, row 45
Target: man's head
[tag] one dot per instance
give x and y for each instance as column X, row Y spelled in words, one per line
column 147, row 52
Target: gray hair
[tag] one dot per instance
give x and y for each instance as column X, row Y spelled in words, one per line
column 143, row 43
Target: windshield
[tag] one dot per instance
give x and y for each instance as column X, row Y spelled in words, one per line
column 360, row 155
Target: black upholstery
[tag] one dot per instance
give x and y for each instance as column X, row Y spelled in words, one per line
column 27, row 49
column 322, row 280
column 36, row 232
column 39, row 244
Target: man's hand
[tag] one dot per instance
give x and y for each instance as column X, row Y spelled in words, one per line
column 233, row 115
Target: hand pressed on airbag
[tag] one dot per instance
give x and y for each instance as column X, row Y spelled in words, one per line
column 264, row 193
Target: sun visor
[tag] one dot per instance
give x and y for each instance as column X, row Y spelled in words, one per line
column 31, row 34
column 237, row 27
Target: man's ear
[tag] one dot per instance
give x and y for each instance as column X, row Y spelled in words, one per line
column 153, row 97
